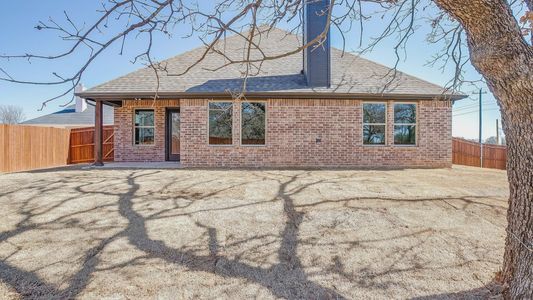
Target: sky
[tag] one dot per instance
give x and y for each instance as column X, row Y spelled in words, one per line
column 18, row 36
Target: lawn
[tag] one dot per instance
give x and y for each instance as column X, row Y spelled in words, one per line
column 238, row 234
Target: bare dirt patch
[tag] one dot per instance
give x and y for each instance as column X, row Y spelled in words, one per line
column 242, row 234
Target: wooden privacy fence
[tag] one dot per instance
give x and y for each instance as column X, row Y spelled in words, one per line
column 28, row 147
column 468, row 153
column 82, row 145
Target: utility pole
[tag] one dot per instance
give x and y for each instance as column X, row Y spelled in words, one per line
column 497, row 132
column 481, row 126
column 480, row 129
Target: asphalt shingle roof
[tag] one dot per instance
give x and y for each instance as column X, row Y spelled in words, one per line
column 351, row 74
column 68, row 117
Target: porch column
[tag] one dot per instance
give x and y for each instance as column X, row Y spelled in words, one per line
column 98, row 133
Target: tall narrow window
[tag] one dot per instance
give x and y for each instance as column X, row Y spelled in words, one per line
column 253, row 123
column 374, row 123
column 144, row 127
column 220, row 123
column 405, row 124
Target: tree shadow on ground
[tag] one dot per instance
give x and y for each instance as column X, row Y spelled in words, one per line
column 490, row 291
column 285, row 279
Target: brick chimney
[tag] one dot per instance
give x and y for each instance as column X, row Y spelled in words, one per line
column 317, row 57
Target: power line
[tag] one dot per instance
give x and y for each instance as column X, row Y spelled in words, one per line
column 476, row 105
column 476, row 111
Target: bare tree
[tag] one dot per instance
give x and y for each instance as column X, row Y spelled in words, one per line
column 491, row 140
column 490, row 35
column 11, row 114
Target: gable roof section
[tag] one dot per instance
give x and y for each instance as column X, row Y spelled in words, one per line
column 351, row 75
column 68, row 117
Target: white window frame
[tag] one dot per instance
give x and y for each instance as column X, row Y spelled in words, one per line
column 405, row 124
column 232, row 123
column 135, row 127
column 266, row 123
column 364, row 124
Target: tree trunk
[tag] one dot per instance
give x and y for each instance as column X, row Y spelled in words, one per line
column 500, row 53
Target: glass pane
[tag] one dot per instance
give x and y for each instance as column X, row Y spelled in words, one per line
column 144, row 118
column 144, row 136
column 220, row 105
column 405, row 113
column 175, row 145
column 374, row 112
column 374, row 134
column 405, row 134
column 220, row 123
column 253, row 123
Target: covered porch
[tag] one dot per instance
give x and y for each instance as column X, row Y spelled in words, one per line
column 145, row 130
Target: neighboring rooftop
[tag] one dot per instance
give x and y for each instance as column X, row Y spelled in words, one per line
column 68, row 117
column 351, row 75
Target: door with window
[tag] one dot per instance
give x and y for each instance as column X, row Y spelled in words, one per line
column 173, row 134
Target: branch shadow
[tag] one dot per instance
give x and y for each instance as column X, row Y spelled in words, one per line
column 285, row 279
column 489, row 291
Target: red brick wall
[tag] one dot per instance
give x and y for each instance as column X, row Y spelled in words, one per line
column 125, row 149
column 292, row 129
column 294, row 125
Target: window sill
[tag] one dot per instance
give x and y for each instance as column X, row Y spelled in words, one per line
column 392, row 146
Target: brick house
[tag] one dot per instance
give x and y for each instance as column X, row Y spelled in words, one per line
column 325, row 109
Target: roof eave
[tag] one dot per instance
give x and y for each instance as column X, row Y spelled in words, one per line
column 115, row 96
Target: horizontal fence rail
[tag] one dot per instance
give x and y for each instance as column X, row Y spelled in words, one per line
column 82, row 145
column 468, row 153
column 25, row 148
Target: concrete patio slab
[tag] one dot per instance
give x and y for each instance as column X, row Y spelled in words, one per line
column 138, row 165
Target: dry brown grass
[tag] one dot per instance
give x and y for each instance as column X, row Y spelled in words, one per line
column 251, row 234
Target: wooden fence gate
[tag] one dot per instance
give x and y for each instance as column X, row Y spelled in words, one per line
column 468, row 153
column 82, row 145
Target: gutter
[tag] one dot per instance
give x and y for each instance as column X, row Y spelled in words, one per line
column 119, row 96
column 92, row 102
